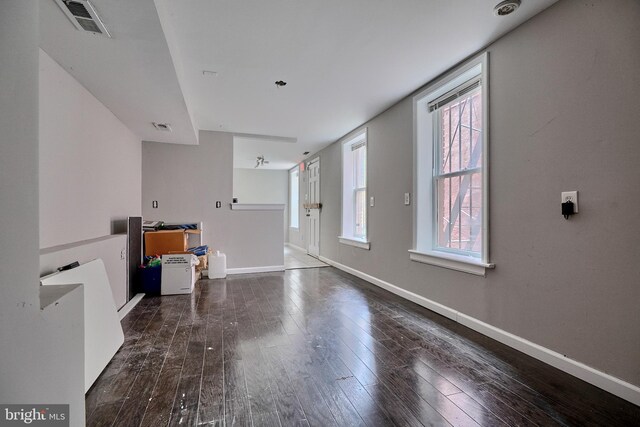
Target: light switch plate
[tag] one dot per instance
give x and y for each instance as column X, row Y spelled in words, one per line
column 407, row 199
column 571, row 196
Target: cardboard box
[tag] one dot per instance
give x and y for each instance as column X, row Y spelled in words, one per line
column 164, row 242
column 178, row 274
column 203, row 263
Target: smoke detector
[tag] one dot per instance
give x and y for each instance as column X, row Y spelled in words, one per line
column 83, row 16
column 507, row 7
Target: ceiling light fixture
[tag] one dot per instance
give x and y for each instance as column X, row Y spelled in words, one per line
column 506, row 7
column 281, row 83
column 260, row 161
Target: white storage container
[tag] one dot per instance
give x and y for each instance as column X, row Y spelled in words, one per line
column 217, row 266
column 178, row 274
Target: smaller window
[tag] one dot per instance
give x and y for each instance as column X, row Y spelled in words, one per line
column 294, row 192
column 354, row 190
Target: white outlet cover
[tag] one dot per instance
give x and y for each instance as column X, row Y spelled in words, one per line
column 407, row 199
column 372, row 201
column 573, row 196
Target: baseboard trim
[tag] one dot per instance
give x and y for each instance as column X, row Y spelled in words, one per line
column 420, row 300
column 247, row 270
column 125, row 309
column 613, row 385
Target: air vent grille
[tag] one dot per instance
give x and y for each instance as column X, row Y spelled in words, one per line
column 77, row 9
column 89, row 25
column 83, row 16
column 165, row 127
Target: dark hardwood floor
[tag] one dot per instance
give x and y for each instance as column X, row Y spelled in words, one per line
column 319, row 347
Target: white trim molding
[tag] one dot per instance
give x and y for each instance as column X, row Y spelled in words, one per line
column 362, row 244
column 426, row 132
column 247, row 270
column 613, row 385
column 129, row 305
column 452, row 262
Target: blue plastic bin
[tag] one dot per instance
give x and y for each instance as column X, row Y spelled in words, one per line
column 151, row 277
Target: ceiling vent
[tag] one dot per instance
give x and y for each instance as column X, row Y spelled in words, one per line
column 166, row 127
column 83, row 16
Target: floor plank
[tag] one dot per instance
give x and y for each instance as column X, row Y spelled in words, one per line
column 319, row 347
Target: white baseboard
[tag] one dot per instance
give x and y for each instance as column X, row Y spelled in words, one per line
column 586, row 373
column 128, row 306
column 247, row 270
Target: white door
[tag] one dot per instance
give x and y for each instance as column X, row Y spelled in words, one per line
column 313, row 213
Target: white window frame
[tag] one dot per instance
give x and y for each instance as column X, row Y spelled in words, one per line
column 425, row 248
column 293, row 171
column 347, row 234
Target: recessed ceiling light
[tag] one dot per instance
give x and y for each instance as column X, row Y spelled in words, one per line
column 281, row 83
column 506, row 7
column 209, row 73
column 165, row 127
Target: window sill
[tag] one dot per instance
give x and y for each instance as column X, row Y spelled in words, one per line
column 452, row 262
column 362, row 244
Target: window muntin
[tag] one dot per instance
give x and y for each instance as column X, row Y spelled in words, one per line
column 294, row 193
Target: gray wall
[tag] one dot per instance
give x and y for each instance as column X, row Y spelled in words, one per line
column 262, row 186
column 42, row 357
column 90, row 163
column 564, row 116
column 188, row 180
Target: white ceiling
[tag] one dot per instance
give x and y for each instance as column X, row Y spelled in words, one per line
column 280, row 153
column 344, row 62
column 132, row 74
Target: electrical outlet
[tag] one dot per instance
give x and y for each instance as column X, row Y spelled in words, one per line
column 407, row 199
column 372, row 201
column 571, row 196
column 123, row 254
column 154, row 204
column 218, row 204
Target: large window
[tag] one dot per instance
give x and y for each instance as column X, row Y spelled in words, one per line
column 354, row 191
column 294, row 194
column 451, row 177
